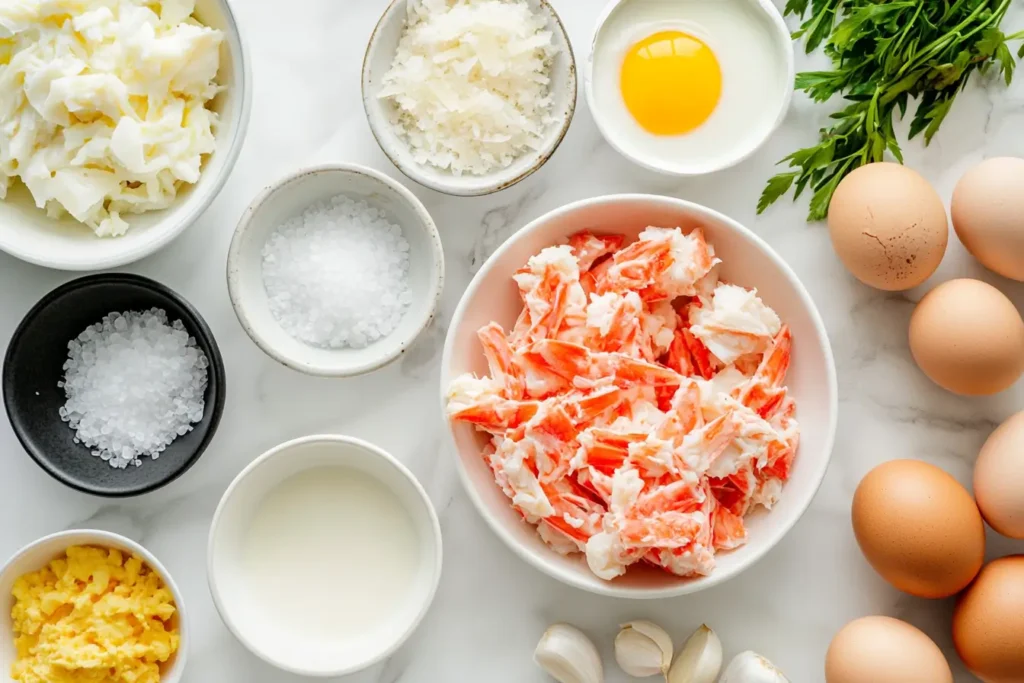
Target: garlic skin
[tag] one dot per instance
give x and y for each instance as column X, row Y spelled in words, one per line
column 642, row 648
column 568, row 656
column 750, row 667
column 700, row 659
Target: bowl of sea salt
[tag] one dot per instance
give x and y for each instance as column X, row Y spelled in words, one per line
column 114, row 384
column 335, row 270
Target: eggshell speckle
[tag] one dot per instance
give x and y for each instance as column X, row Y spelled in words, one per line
column 968, row 338
column 999, row 478
column 988, row 623
column 988, row 214
column 888, row 226
column 884, row 650
column 919, row 528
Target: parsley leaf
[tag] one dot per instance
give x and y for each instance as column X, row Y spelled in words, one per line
column 884, row 54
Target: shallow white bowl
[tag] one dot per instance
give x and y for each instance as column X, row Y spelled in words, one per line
column 26, row 232
column 379, row 54
column 287, row 198
column 747, row 260
column 696, row 166
column 240, row 608
column 37, row 554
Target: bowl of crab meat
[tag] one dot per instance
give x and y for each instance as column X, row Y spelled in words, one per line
column 641, row 395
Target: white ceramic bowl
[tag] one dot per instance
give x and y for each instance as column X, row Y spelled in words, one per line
column 240, row 608
column 696, row 166
column 747, row 261
column 37, row 554
column 287, row 198
column 65, row 244
column 379, row 54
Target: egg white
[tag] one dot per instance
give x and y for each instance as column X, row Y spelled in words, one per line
column 754, row 87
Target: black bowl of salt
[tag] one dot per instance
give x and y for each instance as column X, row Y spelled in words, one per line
column 114, row 384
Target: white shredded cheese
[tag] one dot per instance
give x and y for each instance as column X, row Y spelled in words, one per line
column 103, row 104
column 469, row 85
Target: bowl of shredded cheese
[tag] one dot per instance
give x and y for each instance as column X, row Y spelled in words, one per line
column 80, row 602
column 119, row 124
column 468, row 97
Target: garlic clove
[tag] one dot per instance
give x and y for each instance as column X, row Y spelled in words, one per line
column 568, row 656
column 750, row 667
column 700, row 660
column 643, row 649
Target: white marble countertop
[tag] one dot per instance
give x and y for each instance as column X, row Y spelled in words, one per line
column 491, row 607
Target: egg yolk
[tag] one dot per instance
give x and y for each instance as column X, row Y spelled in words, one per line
column 671, row 82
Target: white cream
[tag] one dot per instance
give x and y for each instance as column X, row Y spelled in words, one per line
column 330, row 554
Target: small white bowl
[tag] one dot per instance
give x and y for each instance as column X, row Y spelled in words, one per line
column 746, row 260
column 238, row 606
column 287, row 198
column 695, row 166
column 37, row 554
column 379, row 54
column 65, row 244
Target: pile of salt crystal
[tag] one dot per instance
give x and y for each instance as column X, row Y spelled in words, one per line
column 134, row 383
column 337, row 276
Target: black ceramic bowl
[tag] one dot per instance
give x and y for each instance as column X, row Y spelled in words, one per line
column 34, row 365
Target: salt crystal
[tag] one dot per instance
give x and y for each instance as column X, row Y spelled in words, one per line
column 337, row 276
column 133, row 384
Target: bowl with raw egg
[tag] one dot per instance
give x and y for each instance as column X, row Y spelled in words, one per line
column 689, row 88
column 120, row 155
column 89, row 588
column 641, row 395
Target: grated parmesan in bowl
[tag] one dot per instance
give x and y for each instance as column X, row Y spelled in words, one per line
column 469, row 96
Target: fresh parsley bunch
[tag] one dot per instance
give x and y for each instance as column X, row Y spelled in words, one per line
column 885, row 53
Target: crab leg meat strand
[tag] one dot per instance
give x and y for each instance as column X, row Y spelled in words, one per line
column 604, row 450
column 702, row 446
column 589, row 247
column 702, row 360
column 572, row 361
column 764, row 392
column 679, row 357
column 550, row 289
column 613, row 321
column 729, row 530
column 501, row 360
column 575, row 515
column 587, row 408
column 497, row 414
column 637, row 267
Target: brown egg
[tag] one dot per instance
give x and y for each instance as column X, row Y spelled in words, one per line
column 888, row 226
column 968, row 338
column 988, row 623
column 988, row 214
column 919, row 528
column 884, row 650
column 999, row 478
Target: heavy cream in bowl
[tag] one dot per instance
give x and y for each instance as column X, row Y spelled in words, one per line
column 324, row 555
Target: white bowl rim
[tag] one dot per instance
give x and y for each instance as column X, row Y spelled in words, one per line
column 370, row 449
column 782, row 31
column 426, row 223
column 684, row 587
column 204, row 202
column 413, row 172
column 100, row 537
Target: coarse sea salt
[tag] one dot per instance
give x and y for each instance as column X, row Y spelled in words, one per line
column 337, row 276
column 134, row 383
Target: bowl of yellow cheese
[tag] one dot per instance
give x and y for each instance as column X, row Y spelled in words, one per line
column 83, row 606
